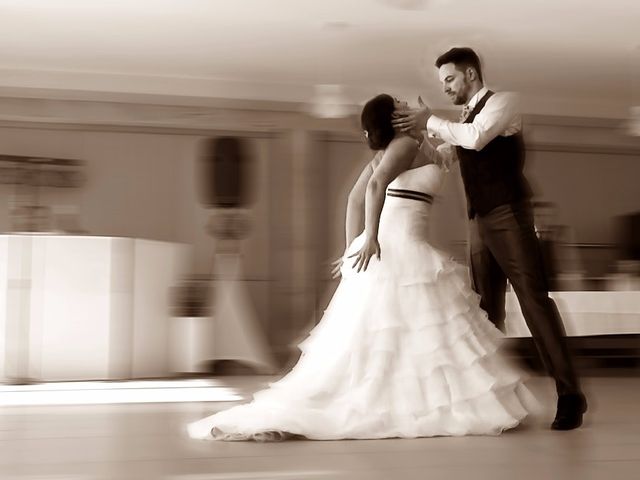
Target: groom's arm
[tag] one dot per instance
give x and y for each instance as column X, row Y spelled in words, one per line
column 500, row 116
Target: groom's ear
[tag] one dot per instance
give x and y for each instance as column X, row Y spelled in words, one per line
column 471, row 73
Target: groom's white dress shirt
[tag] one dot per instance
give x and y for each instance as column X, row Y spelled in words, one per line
column 500, row 116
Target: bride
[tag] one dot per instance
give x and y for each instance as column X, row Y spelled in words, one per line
column 403, row 349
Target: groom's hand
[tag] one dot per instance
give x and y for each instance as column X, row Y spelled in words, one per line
column 412, row 121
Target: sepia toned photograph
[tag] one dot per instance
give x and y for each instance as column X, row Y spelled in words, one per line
column 329, row 240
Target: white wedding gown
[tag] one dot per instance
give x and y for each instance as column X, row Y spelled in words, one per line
column 403, row 349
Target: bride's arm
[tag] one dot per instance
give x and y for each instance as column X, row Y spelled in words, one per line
column 396, row 159
column 355, row 210
column 355, row 202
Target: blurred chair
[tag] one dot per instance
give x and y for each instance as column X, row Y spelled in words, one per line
column 626, row 276
column 562, row 263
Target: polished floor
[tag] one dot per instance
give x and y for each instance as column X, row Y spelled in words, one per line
column 148, row 441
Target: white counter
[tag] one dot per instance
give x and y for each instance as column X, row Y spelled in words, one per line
column 85, row 307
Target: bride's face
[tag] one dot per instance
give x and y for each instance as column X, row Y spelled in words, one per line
column 454, row 83
column 400, row 105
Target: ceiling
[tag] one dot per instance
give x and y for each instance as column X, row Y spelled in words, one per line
column 568, row 57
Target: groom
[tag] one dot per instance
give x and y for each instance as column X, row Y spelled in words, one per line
column 503, row 244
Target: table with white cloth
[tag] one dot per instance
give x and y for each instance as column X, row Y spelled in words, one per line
column 585, row 313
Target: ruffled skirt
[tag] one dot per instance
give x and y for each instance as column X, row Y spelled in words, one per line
column 403, row 350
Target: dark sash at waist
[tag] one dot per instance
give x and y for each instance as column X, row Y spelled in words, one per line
column 410, row 194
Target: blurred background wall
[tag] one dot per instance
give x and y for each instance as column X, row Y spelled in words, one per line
column 142, row 170
column 131, row 90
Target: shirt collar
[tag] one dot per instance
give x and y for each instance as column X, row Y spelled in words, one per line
column 476, row 98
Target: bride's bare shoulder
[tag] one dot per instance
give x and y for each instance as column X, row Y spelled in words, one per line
column 403, row 142
column 399, row 146
column 403, row 146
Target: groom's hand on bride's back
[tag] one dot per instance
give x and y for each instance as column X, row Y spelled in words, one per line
column 412, row 121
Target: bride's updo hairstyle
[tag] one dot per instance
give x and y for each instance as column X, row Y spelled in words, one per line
column 376, row 121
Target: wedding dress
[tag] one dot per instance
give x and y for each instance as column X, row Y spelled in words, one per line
column 403, row 348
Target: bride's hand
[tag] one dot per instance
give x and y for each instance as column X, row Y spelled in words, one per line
column 336, row 266
column 370, row 248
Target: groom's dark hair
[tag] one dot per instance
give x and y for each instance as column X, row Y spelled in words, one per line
column 462, row 58
column 376, row 121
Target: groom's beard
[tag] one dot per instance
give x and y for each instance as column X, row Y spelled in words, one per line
column 461, row 97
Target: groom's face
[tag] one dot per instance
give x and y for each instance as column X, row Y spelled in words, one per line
column 454, row 83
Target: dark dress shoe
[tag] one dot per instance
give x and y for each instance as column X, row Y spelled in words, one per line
column 571, row 407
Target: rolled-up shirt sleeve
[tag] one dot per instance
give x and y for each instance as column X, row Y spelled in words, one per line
column 500, row 116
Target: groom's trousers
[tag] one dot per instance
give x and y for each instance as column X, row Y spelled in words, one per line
column 503, row 245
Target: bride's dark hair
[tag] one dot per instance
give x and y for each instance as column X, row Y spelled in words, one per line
column 376, row 121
